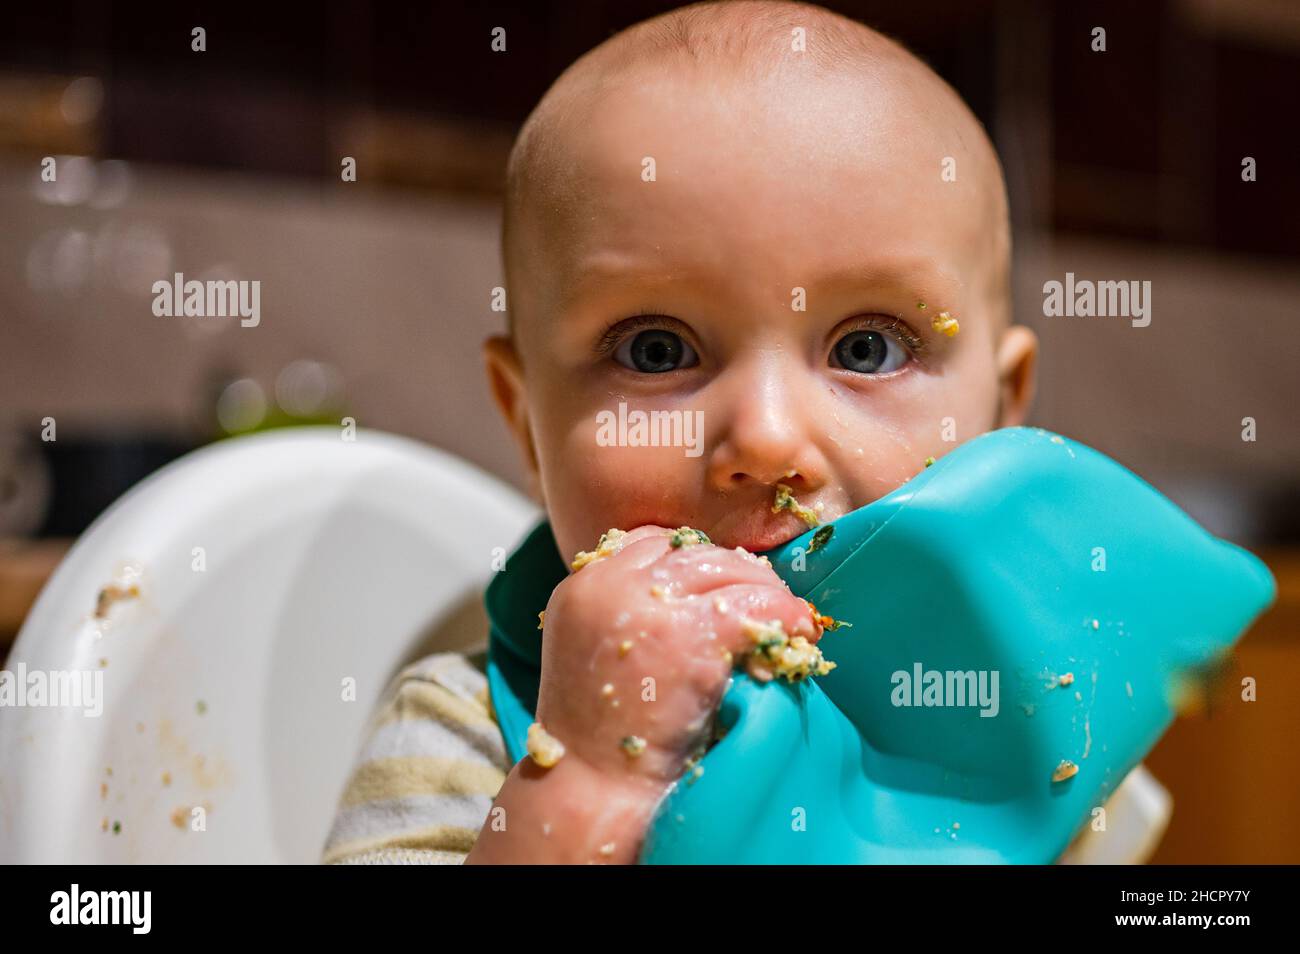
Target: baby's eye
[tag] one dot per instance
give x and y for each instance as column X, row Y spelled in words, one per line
column 654, row 351
column 868, row 351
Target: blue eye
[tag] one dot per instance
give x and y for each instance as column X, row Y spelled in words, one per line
column 869, row 352
column 655, row 351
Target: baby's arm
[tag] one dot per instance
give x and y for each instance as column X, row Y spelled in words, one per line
column 428, row 771
column 639, row 645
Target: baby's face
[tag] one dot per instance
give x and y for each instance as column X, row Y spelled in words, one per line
column 776, row 282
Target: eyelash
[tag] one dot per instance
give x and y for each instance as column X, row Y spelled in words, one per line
column 644, row 319
column 892, row 324
column 653, row 318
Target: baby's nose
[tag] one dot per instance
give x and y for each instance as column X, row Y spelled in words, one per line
column 767, row 439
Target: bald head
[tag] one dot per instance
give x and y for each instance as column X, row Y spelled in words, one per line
column 760, row 51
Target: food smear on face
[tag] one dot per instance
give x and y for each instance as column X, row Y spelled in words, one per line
column 544, row 748
column 945, row 324
column 785, row 501
column 777, row 654
column 607, row 545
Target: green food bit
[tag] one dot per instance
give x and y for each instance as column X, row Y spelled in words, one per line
column 785, row 501
column 687, row 536
column 929, row 461
column 821, row 538
column 117, row 828
column 837, row 624
column 201, row 707
column 633, row 745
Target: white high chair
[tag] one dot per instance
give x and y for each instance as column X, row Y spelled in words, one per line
column 271, row 570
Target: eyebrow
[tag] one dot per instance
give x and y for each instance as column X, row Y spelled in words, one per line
column 918, row 276
column 929, row 282
column 601, row 267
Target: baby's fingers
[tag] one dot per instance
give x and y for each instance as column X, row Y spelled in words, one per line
column 742, row 615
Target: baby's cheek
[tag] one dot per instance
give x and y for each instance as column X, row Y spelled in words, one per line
column 590, row 488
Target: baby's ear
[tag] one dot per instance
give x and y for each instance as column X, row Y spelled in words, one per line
column 1017, row 360
column 506, row 380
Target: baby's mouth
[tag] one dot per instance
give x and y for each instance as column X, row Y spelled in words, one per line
column 757, row 529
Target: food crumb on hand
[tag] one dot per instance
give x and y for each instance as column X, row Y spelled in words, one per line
column 686, row 536
column 607, row 849
column 776, row 654
column 541, row 619
column 945, row 324
column 929, row 462
column 624, row 648
column 607, row 545
column 633, row 745
column 1065, row 770
column 785, row 501
column 544, row 748
column 607, row 689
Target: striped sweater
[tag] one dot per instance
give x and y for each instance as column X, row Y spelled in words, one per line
column 435, row 759
column 430, row 768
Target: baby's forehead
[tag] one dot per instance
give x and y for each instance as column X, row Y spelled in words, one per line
column 816, row 171
column 662, row 148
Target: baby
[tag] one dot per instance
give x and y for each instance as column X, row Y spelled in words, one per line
column 781, row 224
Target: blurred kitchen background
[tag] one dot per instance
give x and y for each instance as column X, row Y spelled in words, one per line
column 376, row 293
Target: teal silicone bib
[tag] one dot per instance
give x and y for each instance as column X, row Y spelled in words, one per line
column 1025, row 614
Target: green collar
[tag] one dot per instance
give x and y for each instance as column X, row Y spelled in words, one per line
column 513, row 599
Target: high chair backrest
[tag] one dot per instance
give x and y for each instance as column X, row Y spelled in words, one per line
column 240, row 612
